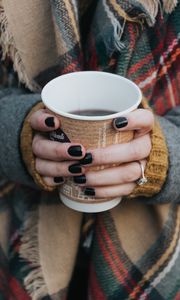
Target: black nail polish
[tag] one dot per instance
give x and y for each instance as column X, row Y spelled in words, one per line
column 76, row 168
column 75, row 151
column 80, row 179
column 89, row 192
column 50, row 122
column 121, row 122
column 58, row 179
column 87, row 159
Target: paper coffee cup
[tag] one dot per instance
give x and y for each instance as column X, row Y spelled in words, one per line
column 89, row 91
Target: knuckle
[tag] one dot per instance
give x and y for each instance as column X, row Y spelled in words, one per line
column 49, row 181
column 141, row 148
column 103, row 157
column 57, row 151
column 33, row 117
column 39, row 121
column 100, row 156
column 127, row 190
column 106, row 193
column 36, row 146
column 136, row 150
column 147, row 145
column 133, row 172
column 150, row 118
column 38, row 165
column 59, row 169
column 35, row 120
column 60, row 151
column 128, row 176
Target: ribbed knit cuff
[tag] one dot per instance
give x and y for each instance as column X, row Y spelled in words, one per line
column 26, row 149
column 157, row 163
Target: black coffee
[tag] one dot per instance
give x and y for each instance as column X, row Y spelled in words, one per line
column 93, row 112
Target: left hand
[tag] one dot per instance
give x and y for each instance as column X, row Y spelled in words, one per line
column 120, row 180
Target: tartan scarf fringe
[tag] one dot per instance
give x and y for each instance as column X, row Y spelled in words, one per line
column 8, row 46
column 29, row 252
column 149, row 12
column 118, row 32
column 151, row 7
column 169, row 5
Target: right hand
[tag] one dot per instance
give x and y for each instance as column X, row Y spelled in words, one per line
column 54, row 160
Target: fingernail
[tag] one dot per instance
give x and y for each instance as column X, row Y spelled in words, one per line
column 79, row 179
column 75, row 151
column 120, row 122
column 87, row 159
column 89, row 192
column 58, row 179
column 50, row 122
column 76, row 168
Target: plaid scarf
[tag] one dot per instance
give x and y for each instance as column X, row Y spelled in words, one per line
column 58, row 31
column 114, row 36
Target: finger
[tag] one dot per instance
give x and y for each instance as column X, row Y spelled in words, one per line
column 141, row 120
column 137, row 149
column 54, row 181
column 51, row 150
column 110, row 191
column 57, row 169
column 125, row 173
column 41, row 120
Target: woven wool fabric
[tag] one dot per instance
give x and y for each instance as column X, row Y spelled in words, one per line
column 135, row 250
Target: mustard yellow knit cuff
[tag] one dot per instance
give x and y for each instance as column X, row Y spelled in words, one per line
column 26, row 150
column 157, row 163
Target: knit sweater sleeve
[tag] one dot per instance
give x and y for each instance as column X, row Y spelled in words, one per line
column 170, row 191
column 15, row 103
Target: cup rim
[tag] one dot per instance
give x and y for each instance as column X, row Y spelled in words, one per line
column 91, row 118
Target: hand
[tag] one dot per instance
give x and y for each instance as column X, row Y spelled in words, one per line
column 120, row 180
column 54, row 160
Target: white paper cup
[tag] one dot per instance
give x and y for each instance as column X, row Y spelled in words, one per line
column 89, row 90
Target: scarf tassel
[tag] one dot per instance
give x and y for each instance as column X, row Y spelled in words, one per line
column 7, row 44
column 29, row 252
